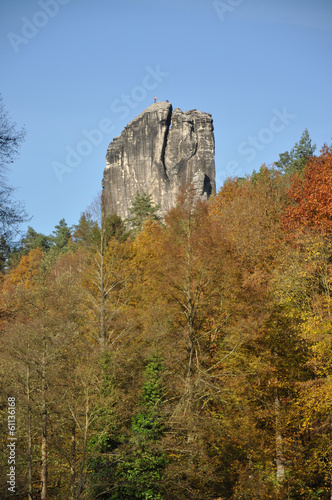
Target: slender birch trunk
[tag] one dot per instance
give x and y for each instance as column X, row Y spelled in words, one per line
column 73, row 460
column 102, row 333
column 28, row 390
column 280, row 459
column 81, row 479
column 43, row 495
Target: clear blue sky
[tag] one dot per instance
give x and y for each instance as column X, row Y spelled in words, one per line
column 262, row 68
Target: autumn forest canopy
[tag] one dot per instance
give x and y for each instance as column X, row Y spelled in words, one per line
column 179, row 358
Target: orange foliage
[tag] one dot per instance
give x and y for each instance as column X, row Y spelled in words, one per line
column 225, row 196
column 248, row 212
column 312, row 196
column 27, row 269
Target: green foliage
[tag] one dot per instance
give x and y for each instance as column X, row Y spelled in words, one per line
column 84, row 231
column 56, row 242
column 87, row 232
column 103, row 441
column 147, row 425
column 32, row 240
column 142, row 209
column 61, row 235
column 144, row 466
column 114, row 227
column 134, row 469
column 140, row 476
column 106, row 365
column 153, row 390
column 294, row 162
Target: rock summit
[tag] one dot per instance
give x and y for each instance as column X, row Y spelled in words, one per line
column 159, row 152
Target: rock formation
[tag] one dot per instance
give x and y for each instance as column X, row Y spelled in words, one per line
column 157, row 153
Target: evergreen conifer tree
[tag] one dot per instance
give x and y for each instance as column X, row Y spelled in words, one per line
column 294, row 161
column 61, row 235
column 142, row 209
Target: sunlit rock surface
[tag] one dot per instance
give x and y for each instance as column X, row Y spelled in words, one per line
column 158, row 153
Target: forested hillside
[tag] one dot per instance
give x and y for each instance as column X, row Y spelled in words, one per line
column 185, row 358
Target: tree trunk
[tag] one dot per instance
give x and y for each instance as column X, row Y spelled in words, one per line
column 81, row 479
column 189, row 316
column 43, row 494
column 29, row 435
column 102, row 332
column 279, row 444
column 73, row 460
column 102, row 327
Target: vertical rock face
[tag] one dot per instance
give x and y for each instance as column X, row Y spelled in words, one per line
column 158, row 153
